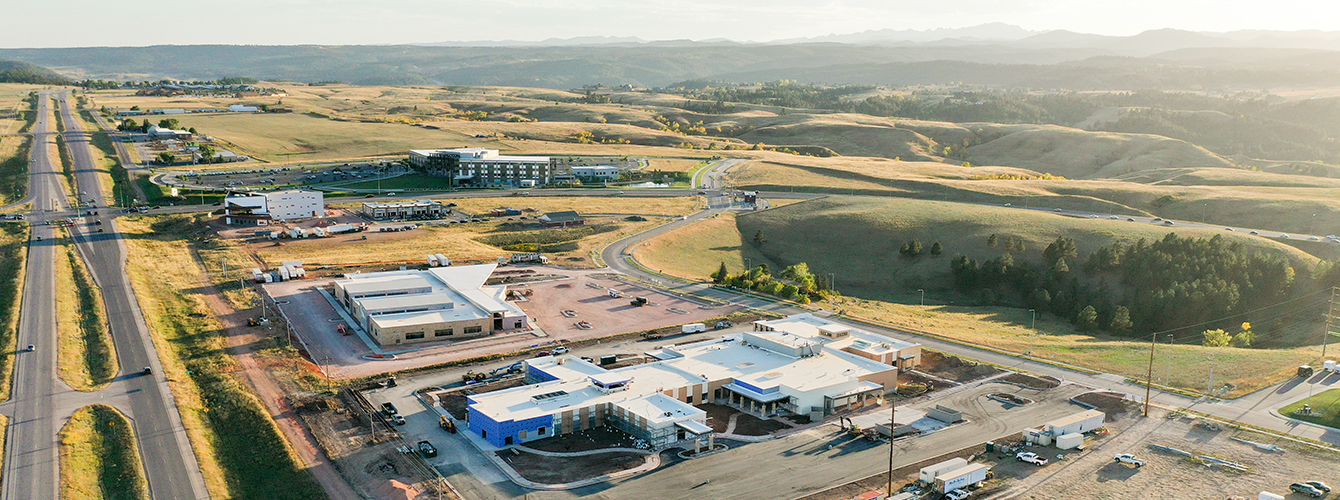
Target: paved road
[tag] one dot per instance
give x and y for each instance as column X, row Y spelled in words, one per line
column 41, row 403
column 168, row 459
column 31, row 461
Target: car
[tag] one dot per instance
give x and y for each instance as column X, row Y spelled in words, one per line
column 1130, row 219
column 392, row 193
column 1157, row 219
column 1167, row 223
column 542, row 354
column 1007, row 204
column 1318, row 485
column 451, row 205
column 559, row 350
column 1056, row 210
column 588, row 359
column 1313, row 238
column 370, row 196
column 1284, row 236
column 1114, row 217
column 1306, row 489
column 427, row 449
column 1254, row 232
column 702, row 192
column 1229, row 229
column 618, row 192
column 31, row 348
column 398, row 419
column 1093, row 216
column 1127, row 458
column 957, row 494
column 1032, row 458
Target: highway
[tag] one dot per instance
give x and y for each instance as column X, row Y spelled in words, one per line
column 41, row 403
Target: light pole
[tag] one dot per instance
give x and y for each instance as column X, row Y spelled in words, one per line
column 1167, row 378
column 1210, row 386
column 893, row 424
column 921, row 313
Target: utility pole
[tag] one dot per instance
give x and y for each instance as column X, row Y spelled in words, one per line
column 1167, row 379
column 1209, row 387
column 1149, row 377
column 893, row 424
column 1330, row 316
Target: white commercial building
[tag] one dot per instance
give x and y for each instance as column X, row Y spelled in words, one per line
column 441, row 303
column 240, row 108
column 261, row 208
column 596, row 173
column 763, row 372
column 483, row 167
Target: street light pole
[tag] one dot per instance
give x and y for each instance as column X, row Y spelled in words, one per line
column 893, row 423
column 921, row 313
column 1032, row 331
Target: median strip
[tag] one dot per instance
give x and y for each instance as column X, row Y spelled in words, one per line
column 85, row 358
column 99, row 458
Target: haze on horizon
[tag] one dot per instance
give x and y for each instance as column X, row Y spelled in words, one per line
column 84, row 23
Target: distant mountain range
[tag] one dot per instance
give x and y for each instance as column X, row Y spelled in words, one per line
column 990, row 54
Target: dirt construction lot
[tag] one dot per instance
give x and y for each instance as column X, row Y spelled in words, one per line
column 344, row 356
column 1092, row 474
column 607, row 315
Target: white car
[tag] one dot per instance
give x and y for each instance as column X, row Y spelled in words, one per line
column 958, row 494
column 1127, row 458
column 1032, row 458
column 1284, row 236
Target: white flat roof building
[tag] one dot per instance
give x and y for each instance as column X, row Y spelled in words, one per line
column 260, row 208
column 483, row 167
column 441, row 303
column 763, row 372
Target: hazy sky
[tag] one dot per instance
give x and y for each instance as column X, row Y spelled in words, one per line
column 68, row 23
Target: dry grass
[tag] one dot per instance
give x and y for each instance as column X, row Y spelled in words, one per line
column 13, row 262
column 1185, row 366
column 240, row 451
column 625, row 205
column 672, row 164
column 103, row 160
column 85, row 358
column 99, row 457
column 698, row 250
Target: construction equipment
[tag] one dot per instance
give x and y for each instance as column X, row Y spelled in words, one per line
column 471, row 376
column 638, row 302
column 446, row 424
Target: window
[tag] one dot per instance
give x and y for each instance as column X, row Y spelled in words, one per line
column 541, row 431
column 414, row 335
column 473, row 329
column 522, row 434
column 688, row 399
column 443, row 333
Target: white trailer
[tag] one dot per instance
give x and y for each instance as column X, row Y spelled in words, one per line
column 442, row 260
column 1266, row 495
column 1084, row 421
column 693, row 328
column 319, row 232
column 432, row 260
column 928, row 473
column 292, row 263
column 961, row 478
column 1329, row 366
column 283, row 273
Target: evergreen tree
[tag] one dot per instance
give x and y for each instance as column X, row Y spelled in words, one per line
column 759, row 239
column 721, row 275
column 936, row 249
column 1121, row 321
column 991, row 241
column 1087, row 319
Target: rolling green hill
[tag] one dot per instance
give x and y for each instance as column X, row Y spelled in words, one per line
column 22, row 72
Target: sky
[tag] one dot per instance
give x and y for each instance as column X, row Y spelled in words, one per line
column 82, row 23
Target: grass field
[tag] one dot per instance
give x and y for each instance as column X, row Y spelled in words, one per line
column 673, row 164
column 878, row 283
column 13, row 261
column 1325, row 408
column 86, row 360
column 15, row 114
column 611, row 204
column 98, row 457
column 241, row 452
column 302, row 137
column 104, row 155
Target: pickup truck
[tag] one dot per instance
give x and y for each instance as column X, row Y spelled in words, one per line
column 1129, row 459
column 1032, row 458
column 427, row 449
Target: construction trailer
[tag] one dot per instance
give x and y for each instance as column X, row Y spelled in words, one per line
column 284, row 274
column 961, row 477
column 1084, row 421
column 341, row 228
column 297, row 232
column 1070, row 441
column 929, row 473
column 518, row 258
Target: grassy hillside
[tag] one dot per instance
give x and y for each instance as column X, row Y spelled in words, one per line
column 858, row 238
column 22, row 72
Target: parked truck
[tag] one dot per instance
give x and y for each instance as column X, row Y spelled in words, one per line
column 693, row 328
column 638, row 302
column 961, row 477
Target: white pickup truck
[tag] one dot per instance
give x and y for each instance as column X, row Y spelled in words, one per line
column 1129, row 459
column 1032, row 458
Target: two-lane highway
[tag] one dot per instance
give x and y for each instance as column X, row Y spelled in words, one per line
column 31, row 462
column 169, row 462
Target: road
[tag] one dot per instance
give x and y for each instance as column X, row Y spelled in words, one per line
column 31, row 460
column 42, row 403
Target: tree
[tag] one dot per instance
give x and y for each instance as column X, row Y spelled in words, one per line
column 1121, row 320
column 721, row 275
column 911, row 249
column 1087, row 319
column 1245, row 337
column 128, row 124
column 169, row 123
column 992, row 241
column 1216, row 338
column 1060, row 268
column 1040, row 299
column 1062, row 248
column 759, row 239
column 790, row 291
column 166, row 158
column 207, row 153
column 192, row 131
column 936, row 249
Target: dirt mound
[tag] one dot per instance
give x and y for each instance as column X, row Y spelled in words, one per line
column 1110, row 403
column 1030, row 381
column 953, row 367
